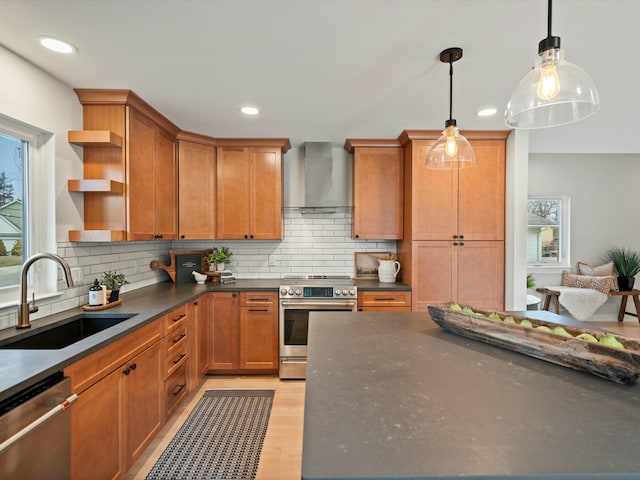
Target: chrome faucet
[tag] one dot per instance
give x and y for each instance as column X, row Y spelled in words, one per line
column 24, row 309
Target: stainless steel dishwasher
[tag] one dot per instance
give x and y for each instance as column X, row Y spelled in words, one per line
column 35, row 431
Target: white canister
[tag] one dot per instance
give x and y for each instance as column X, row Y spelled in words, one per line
column 387, row 270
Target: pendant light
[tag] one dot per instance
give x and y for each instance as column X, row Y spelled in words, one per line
column 555, row 92
column 451, row 151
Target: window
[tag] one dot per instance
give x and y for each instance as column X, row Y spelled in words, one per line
column 27, row 209
column 548, row 231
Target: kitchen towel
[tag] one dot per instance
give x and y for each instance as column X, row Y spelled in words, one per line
column 220, row 440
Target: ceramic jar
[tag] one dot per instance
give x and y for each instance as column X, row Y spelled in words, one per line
column 387, row 270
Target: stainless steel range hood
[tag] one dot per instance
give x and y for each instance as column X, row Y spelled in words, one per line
column 317, row 177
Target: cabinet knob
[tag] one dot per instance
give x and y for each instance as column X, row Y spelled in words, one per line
column 195, row 303
column 455, row 236
column 250, row 236
column 455, row 244
column 357, row 236
column 133, row 366
column 246, row 236
column 462, row 244
column 461, row 237
column 126, row 371
column 182, row 236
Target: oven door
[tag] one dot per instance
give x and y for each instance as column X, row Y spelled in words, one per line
column 294, row 322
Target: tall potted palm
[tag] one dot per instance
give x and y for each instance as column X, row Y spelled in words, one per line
column 626, row 264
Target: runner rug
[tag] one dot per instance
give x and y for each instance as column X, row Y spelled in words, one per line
column 220, row 440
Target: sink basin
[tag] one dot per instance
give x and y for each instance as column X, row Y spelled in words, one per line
column 65, row 332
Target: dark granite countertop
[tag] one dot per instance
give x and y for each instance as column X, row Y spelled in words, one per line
column 391, row 395
column 21, row 368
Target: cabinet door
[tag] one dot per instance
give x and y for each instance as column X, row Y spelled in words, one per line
column 481, row 193
column 377, row 193
column 434, row 198
column 140, row 178
column 265, row 194
column 232, row 198
column 223, row 333
column 481, row 274
column 96, row 431
column 165, row 205
column 259, row 331
column 143, row 400
column 433, row 267
column 196, row 191
column 203, row 341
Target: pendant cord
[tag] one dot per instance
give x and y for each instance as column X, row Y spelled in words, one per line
column 549, row 20
column 451, row 89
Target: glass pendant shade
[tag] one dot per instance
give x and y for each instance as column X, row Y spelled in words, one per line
column 451, row 151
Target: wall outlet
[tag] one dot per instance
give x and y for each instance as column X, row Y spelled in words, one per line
column 273, row 261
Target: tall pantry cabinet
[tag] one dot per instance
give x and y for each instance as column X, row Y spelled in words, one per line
column 453, row 246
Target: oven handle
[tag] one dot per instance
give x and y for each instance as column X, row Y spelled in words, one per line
column 308, row 305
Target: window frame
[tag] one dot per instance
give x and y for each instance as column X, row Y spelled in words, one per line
column 39, row 207
column 565, row 236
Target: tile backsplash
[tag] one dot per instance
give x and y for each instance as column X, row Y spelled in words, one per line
column 315, row 243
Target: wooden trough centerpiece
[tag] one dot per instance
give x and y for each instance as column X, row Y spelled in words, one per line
column 621, row 365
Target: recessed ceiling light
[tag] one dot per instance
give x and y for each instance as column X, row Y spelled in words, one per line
column 57, row 45
column 487, row 112
column 250, row 110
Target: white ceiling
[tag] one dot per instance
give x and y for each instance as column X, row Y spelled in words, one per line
column 327, row 70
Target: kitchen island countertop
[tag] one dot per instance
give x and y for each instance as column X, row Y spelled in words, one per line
column 391, row 395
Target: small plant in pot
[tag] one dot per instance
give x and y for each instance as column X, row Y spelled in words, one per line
column 626, row 264
column 113, row 281
column 218, row 257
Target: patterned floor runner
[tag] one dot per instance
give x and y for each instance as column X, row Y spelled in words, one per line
column 220, row 440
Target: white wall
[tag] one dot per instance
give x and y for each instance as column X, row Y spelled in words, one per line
column 604, row 209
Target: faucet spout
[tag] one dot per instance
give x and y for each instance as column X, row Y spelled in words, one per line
column 23, row 309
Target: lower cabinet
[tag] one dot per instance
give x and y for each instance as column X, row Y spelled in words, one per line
column 119, row 408
column 470, row 273
column 244, row 332
column 384, row 301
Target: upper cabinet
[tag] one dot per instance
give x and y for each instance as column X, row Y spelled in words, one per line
column 249, row 188
column 196, row 187
column 129, row 181
column 378, row 175
column 463, row 204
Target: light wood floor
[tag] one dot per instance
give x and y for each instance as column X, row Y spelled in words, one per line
column 281, row 456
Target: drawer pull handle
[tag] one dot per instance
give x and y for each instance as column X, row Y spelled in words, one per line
column 258, row 309
column 383, row 299
column 182, row 355
column 177, row 391
column 258, row 299
column 179, row 337
column 178, row 318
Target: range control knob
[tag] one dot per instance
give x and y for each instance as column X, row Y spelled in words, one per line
column 290, row 291
column 283, row 291
column 352, row 292
column 338, row 292
column 298, row 292
column 345, row 292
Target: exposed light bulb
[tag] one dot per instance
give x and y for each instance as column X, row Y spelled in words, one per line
column 549, row 83
column 451, row 147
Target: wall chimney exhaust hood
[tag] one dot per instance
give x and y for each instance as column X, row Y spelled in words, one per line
column 317, row 178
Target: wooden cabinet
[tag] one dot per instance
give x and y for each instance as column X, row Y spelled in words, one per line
column 244, row 332
column 377, row 189
column 119, row 409
column 471, row 273
column 223, row 331
column 176, row 358
column 129, row 178
column 453, row 245
column 152, row 175
column 384, row 301
column 258, row 331
column 249, row 189
column 196, row 187
column 199, row 319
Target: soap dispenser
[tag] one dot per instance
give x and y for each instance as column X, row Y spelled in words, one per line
column 95, row 294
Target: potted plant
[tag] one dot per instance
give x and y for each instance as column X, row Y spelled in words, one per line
column 218, row 257
column 113, row 281
column 626, row 264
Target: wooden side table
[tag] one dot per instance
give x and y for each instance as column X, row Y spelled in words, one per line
column 553, row 294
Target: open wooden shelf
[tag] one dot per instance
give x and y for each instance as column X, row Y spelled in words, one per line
column 97, row 235
column 95, row 138
column 95, row 185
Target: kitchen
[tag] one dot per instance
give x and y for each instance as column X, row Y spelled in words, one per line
column 53, row 106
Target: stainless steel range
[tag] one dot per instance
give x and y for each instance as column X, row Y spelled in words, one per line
column 298, row 298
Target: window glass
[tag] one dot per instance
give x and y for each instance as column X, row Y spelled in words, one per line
column 12, row 160
column 547, row 231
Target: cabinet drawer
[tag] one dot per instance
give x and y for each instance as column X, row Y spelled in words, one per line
column 177, row 358
column 384, row 299
column 175, row 389
column 174, row 340
column 175, row 319
column 257, row 298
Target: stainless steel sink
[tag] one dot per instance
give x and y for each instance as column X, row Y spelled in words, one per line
column 64, row 333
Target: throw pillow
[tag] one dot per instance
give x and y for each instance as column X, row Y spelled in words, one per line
column 601, row 284
column 605, row 270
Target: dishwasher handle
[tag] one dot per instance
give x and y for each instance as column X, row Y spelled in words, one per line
column 61, row 407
